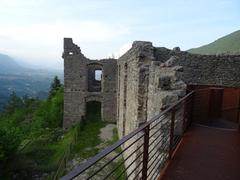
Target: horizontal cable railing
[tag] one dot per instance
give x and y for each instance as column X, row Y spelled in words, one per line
column 142, row 153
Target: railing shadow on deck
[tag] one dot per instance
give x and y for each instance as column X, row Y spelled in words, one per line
column 143, row 153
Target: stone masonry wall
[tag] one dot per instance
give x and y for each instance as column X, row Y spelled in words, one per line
column 132, row 95
column 78, row 76
column 139, row 85
column 221, row 70
column 126, row 98
column 150, row 79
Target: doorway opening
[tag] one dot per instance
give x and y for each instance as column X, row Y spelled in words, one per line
column 93, row 111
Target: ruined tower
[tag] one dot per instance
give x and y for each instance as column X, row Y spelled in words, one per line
column 87, row 80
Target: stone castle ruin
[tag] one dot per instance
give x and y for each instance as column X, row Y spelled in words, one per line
column 140, row 84
column 81, row 85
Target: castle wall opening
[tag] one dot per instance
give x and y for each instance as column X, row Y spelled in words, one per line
column 93, row 111
column 98, row 75
column 94, row 77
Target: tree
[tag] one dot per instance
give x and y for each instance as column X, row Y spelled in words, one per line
column 14, row 103
column 55, row 86
column 50, row 113
column 9, row 142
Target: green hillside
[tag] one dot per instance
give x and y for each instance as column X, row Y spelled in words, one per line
column 229, row 44
column 33, row 144
column 29, row 134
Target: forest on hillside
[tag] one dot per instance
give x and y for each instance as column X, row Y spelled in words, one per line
column 33, row 144
column 24, row 121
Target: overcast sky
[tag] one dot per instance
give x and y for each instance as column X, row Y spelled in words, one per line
column 33, row 30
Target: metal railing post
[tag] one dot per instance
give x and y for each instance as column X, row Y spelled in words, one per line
column 192, row 108
column 171, row 133
column 145, row 152
column 238, row 113
column 239, row 120
column 184, row 118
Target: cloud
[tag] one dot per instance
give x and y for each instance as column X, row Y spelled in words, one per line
column 50, row 33
column 44, row 41
column 34, row 30
column 122, row 50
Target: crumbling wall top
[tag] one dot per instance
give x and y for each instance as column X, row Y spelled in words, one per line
column 70, row 48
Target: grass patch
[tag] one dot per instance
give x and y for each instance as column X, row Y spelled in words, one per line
column 119, row 172
column 115, row 137
column 120, row 160
column 88, row 140
column 88, row 137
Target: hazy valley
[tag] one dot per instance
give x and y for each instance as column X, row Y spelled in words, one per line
column 24, row 81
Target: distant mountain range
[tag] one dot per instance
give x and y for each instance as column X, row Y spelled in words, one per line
column 23, row 81
column 8, row 65
column 229, row 44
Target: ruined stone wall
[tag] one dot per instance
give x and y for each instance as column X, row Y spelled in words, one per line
column 220, row 70
column 129, row 102
column 165, row 83
column 75, row 82
column 139, row 85
column 141, row 76
column 81, row 87
column 109, row 90
column 132, row 96
column 150, row 79
column 132, row 86
column 142, row 93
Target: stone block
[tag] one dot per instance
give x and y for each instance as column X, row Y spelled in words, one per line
column 164, row 82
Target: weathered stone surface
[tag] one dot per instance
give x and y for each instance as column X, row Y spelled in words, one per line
column 164, row 82
column 177, row 49
column 222, row 70
column 178, row 68
column 80, row 85
column 140, row 84
column 170, row 62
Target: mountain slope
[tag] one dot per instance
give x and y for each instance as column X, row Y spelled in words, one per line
column 8, row 65
column 23, row 81
column 228, row 44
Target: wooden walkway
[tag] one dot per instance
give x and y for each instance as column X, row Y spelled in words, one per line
column 206, row 153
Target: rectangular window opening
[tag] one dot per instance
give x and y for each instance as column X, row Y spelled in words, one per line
column 98, row 75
